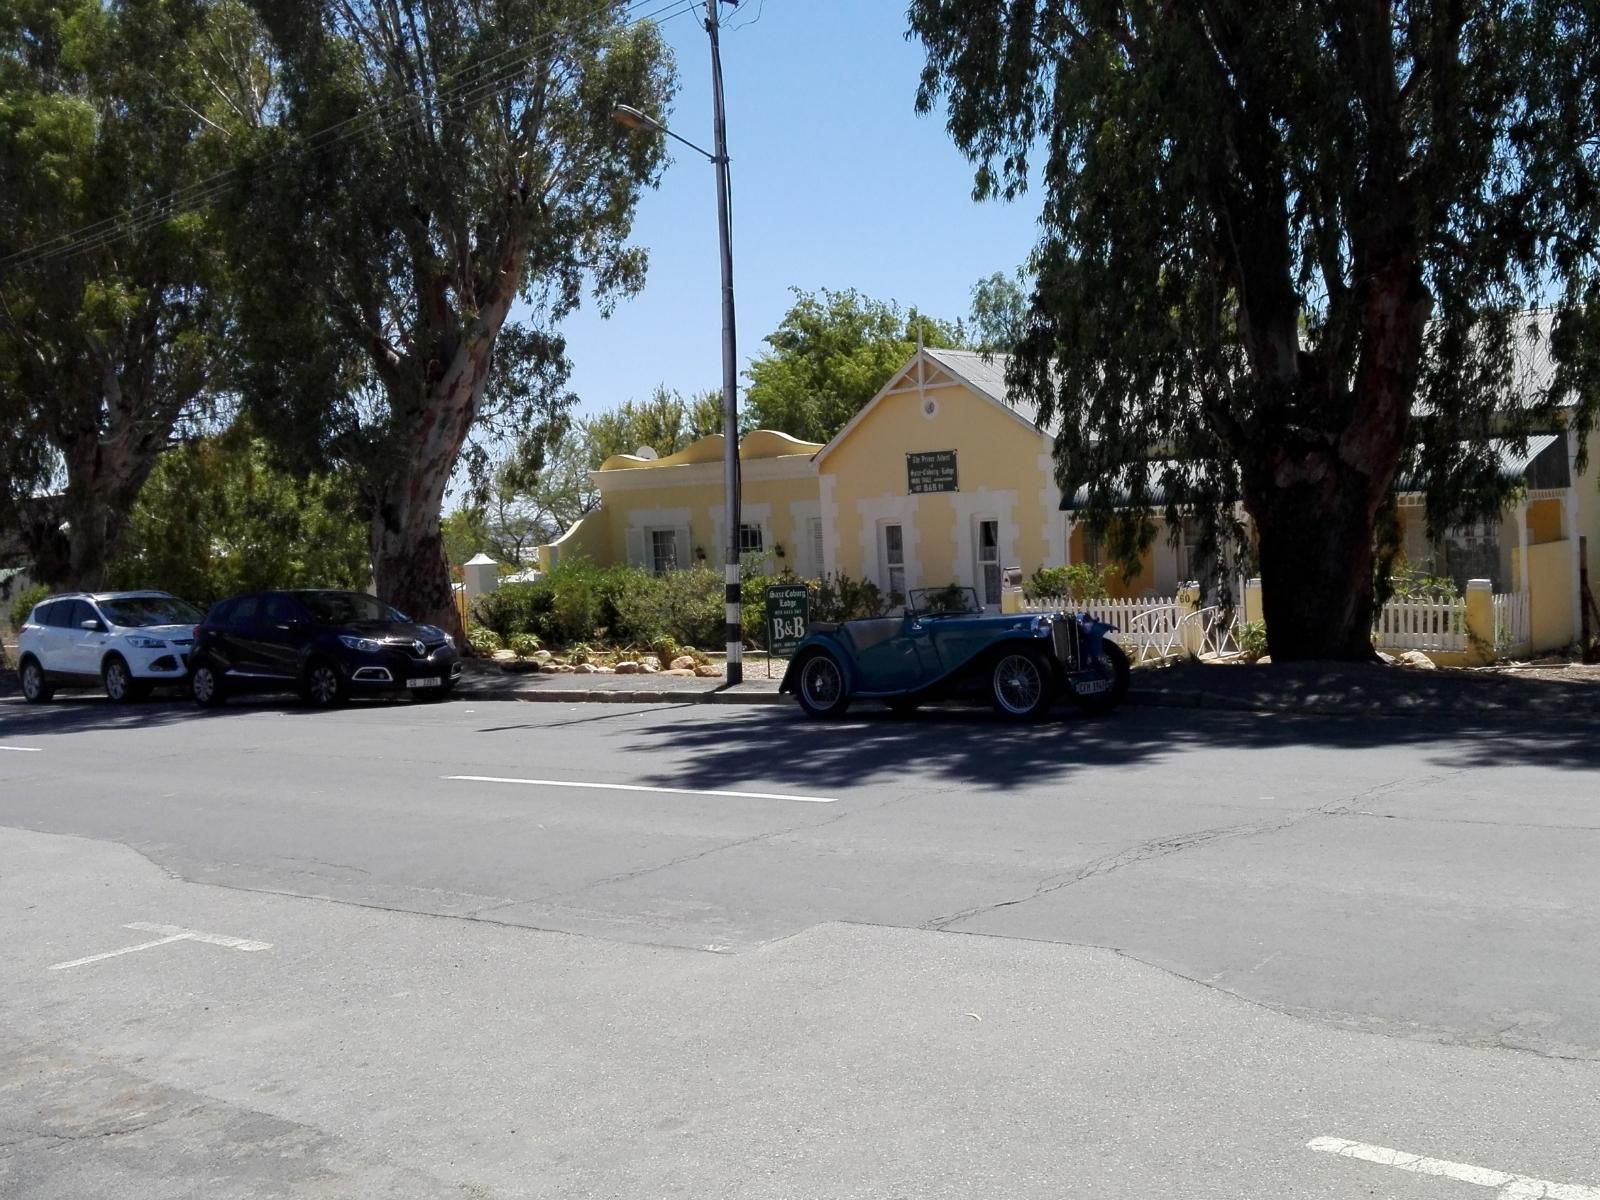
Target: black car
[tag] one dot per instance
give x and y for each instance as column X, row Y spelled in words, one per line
column 328, row 646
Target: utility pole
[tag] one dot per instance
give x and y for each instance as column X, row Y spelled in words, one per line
column 734, row 634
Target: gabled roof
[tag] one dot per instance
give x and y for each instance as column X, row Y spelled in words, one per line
column 983, row 374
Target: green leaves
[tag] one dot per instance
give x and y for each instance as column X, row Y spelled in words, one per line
column 831, row 354
column 1271, row 233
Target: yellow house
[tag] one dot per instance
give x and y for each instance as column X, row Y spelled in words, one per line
column 940, row 480
column 666, row 513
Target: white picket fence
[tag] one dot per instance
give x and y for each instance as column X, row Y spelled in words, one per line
column 1512, row 630
column 1421, row 625
column 1156, row 627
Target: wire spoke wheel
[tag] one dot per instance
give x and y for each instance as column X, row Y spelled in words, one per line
column 822, row 682
column 1022, row 684
column 822, row 690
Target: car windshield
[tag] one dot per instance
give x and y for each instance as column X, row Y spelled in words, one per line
column 951, row 601
column 346, row 608
column 142, row 612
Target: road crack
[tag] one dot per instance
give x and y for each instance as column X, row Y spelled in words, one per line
column 1162, row 847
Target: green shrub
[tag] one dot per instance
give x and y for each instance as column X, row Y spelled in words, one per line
column 1253, row 639
column 483, row 640
column 22, row 603
column 524, row 645
column 1410, row 583
column 515, row 608
column 1079, row 582
column 840, row 598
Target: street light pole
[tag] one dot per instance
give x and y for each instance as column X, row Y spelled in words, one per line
column 734, row 636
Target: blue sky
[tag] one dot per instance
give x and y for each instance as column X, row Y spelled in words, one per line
column 836, row 183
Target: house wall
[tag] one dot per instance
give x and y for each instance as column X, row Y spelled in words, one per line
column 588, row 538
column 1003, row 474
column 779, row 505
column 1544, row 521
column 1550, row 597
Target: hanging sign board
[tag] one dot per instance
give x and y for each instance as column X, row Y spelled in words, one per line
column 788, row 614
column 931, row 471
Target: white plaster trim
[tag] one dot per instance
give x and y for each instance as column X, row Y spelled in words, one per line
column 828, row 510
column 658, row 518
column 892, row 509
column 789, row 466
column 987, row 505
column 1054, row 531
column 801, row 513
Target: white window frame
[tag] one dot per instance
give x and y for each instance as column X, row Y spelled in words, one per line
column 979, row 562
column 889, row 569
column 654, row 562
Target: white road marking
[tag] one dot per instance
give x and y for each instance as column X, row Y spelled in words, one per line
column 634, row 787
column 173, row 933
column 23, row 749
column 1512, row 1187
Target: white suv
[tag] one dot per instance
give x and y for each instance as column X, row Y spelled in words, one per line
column 127, row 641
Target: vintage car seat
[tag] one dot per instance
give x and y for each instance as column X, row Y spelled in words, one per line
column 869, row 631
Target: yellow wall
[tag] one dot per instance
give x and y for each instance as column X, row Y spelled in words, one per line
column 1003, row 474
column 1544, row 521
column 588, row 538
column 1119, row 587
column 1549, row 576
column 684, row 491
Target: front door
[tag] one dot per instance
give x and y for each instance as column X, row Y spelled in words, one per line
column 283, row 628
column 82, row 649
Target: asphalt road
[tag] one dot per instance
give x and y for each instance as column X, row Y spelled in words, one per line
column 386, row 952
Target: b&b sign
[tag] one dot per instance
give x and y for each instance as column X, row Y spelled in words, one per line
column 931, row 471
column 788, row 614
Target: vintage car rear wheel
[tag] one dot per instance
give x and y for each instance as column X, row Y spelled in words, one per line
column 1113, row 662
column 1022, row 684
column 821, row 689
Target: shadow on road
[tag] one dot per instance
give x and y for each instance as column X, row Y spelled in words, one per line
column 75, row 712
column 978, row 748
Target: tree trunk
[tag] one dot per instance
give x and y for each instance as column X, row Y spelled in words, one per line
column 409, row 565
column 412, row 572
column 1317, row 560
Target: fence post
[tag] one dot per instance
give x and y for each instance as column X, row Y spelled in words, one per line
column 1480, row 620
column 1193, row 638
column 1252, row 601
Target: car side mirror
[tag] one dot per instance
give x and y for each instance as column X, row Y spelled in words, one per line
column 94, row 626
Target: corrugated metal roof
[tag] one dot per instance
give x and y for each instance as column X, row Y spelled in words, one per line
column 986, row 372
column 1515, row 464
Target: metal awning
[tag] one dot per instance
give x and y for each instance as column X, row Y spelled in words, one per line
column 1541, row 463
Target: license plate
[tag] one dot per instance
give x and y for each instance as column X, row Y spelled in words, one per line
column 424, row 683
column 1092, row 687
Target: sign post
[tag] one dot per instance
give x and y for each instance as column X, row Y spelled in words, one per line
column 788, row 614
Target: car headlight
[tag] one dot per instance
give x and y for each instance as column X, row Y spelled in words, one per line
column 360, row 644
column 146, row 643
column 449, row 640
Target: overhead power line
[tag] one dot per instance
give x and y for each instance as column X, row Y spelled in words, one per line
column 466, row 86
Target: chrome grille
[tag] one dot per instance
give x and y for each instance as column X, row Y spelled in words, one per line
column 1064, row 640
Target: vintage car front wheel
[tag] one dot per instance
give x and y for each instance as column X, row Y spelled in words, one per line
column 821, row 690
column 1022, row 684
column 1114, row 670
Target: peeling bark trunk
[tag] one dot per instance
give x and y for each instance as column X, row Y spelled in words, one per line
column 409, row 566
column 1317, row 559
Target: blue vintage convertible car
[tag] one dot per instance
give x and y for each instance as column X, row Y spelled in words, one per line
column 945, row 644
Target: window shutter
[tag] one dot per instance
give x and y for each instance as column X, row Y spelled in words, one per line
column 638, row 549
column 682, row 548
column 817, row 565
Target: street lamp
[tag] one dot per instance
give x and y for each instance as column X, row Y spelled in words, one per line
column 634, row 119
